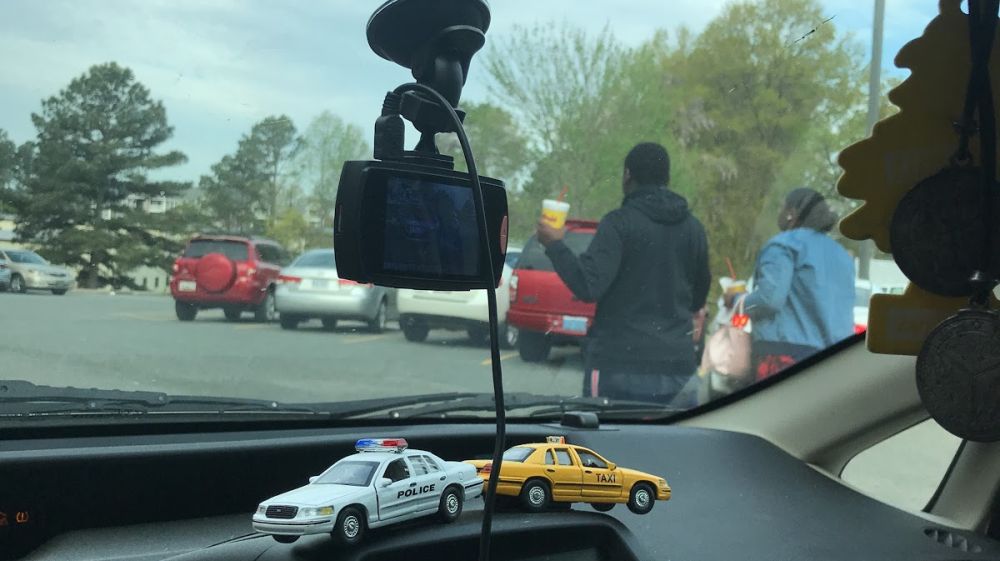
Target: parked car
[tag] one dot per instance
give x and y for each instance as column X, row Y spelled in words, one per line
column 235, row 273
column 4, row 276
column 423, row 310
column 542, row 307
column 309, row 288
column 30, row 271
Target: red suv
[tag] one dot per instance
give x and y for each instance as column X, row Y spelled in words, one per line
column 542, row 307
column 235, row 273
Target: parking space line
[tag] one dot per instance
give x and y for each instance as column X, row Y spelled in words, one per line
column 364, row 339
column 503, row 357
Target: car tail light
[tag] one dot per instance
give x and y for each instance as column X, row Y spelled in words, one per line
column 250, row 272
column 859, row 329
column 345, row 282
column 513, row 288
column 177, row 266
column 288, row 279
column 487, row 468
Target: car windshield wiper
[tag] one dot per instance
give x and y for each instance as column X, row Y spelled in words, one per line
column 473, row 405
column 20, row 398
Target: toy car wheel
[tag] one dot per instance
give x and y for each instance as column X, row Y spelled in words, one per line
column 285, row 539
column 641, row 499
column 350, row 526
column 450, row 506
column 602, row 507
column 535, row 496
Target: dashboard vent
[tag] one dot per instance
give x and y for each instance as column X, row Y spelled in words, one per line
column 951, row 539
column 282, row 512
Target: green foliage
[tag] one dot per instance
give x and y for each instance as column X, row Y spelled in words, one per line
column 293, row 231
column 327, row 143
column 245, row 190
column 97, row 140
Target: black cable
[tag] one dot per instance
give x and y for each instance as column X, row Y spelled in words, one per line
column 491, row 299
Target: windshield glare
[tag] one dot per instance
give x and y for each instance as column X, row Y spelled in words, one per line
column 691, row 148
column 517, row 454
column 358, row 474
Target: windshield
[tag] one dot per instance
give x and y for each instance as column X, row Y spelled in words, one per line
column 517, row 454
column 231, row 249
column 358, row 474
column 27, row 257
column 180, row 153
column 318, row 259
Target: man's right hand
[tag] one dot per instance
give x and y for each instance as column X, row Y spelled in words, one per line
column 547, row 235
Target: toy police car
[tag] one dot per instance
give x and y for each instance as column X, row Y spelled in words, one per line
column 383, row 484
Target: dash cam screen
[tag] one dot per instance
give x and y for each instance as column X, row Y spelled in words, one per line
column 430, row 228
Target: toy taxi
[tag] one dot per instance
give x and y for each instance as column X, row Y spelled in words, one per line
column 556, row 472
column 383, row 483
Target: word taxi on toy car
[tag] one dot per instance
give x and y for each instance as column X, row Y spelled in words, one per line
column 553, row 471
column 384, row 483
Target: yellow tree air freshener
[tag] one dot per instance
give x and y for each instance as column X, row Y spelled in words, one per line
column 916, row 147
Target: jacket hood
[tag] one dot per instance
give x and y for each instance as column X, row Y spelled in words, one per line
column 658, row 203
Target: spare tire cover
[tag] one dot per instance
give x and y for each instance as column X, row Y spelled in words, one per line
column 215, row 272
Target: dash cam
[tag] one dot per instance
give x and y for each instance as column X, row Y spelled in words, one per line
column 407, row 219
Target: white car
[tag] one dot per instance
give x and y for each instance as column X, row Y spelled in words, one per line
column 384, row 483
column 423, row 310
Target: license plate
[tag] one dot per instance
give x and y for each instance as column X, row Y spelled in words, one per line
column 187, row 286
column 574, row 324
column 320, row 284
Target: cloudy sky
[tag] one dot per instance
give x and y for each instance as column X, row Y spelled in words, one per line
column 221, row 65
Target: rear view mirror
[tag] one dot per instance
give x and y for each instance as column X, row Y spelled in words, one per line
column 384, row 482
column 612, row 466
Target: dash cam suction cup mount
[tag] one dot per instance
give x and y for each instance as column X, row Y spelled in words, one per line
column 436, row 40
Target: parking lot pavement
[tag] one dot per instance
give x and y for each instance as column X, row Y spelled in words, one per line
column 134, row 342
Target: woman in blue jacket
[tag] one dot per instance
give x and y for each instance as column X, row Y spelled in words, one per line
column 803, row 297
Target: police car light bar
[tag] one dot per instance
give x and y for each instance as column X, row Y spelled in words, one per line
column 555, row 439
column 381, row 445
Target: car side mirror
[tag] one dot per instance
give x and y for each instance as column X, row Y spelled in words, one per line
column 612, row 466
column 384, row 482
column 313, row 479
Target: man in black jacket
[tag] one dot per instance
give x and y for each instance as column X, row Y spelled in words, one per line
column 647, row 269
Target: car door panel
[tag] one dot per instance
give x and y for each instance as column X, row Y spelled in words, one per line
column 565, row 475
column 598, row 480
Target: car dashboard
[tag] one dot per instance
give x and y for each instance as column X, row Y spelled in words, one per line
column 190, row 496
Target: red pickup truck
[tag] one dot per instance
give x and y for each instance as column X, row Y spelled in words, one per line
column 542, row 307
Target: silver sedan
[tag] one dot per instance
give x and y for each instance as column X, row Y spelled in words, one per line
column 28, row 270
column 309, row 288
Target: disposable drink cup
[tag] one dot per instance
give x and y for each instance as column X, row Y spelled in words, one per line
column 554, row 213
